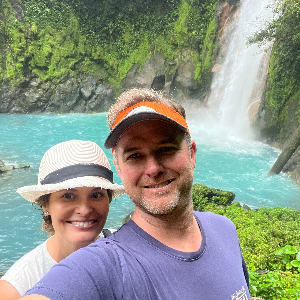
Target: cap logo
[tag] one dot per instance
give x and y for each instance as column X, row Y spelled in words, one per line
column 140, row 110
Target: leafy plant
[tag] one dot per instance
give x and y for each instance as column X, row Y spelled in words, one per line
column 274, row 285
column 290, row 257
column 269, row 239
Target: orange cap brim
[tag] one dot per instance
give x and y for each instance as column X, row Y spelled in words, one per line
column 140, row 112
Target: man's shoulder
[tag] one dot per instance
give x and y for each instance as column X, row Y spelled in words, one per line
column 212, row 217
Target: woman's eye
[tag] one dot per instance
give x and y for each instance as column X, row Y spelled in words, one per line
column 68, row 196
column 97, row 195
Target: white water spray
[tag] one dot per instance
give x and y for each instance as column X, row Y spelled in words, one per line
column 239, row 80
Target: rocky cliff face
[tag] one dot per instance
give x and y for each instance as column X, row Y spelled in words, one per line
column 91, row 93
column 82, row 94
column 279, row 132
column 88, row 94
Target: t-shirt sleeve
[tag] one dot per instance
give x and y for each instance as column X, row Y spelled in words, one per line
column 88, row 273
column 245, row 272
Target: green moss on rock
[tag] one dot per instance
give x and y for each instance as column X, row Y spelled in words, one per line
column 202, row 196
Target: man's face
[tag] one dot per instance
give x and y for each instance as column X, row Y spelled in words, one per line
column 156, row 166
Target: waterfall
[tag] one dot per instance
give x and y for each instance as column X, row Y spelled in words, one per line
column 240, row 75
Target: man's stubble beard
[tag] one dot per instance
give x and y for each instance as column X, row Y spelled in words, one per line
column 181, row 198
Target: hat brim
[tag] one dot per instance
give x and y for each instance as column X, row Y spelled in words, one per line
column 33, row 192
column 115, row 134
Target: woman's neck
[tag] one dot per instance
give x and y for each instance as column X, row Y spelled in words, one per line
column 60, row 249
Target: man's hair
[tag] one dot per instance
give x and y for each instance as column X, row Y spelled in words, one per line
column 135, row 96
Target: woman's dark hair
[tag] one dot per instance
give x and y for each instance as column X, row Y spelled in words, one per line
column 109, row 193
column 43, row 201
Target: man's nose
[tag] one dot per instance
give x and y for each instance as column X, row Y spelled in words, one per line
column 153, row 166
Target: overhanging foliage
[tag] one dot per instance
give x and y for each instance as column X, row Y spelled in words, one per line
column 108, row 37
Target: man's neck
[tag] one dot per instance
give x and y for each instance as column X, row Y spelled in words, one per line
column 179, row 231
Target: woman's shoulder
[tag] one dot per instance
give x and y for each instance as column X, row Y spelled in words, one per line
column 25, row 272
column 28, row 257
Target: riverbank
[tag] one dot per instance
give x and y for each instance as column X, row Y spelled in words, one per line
column 263, row 233
column 5, row 168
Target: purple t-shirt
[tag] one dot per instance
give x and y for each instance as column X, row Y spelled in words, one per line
column 131, row 264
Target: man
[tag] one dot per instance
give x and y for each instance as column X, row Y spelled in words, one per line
column 166, row 250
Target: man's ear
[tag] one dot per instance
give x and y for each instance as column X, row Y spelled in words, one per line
column 193, row 153
column 115, row 162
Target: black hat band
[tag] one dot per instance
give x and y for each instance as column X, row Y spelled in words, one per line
column 78, row 170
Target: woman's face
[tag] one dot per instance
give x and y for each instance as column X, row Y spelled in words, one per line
column 78, row 214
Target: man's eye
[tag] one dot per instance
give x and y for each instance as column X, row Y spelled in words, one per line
column 68, row 196
column 134, row 155
column 169, row 149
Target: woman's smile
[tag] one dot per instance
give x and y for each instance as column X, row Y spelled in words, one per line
column 84, row 224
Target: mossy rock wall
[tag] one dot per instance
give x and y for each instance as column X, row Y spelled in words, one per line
column 51, row 49
column 275, row 128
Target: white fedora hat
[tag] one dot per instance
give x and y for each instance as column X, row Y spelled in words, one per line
column 69, row 165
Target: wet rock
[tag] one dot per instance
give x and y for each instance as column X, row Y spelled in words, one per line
column 88, row 88
column 23, row 166
column 127, row 218
column 82, row 94
column 246, row 207
column 144, row 77
column 7, row 168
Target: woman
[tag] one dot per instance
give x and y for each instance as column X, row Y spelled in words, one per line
column 75, row 187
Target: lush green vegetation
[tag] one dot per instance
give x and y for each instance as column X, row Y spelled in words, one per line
column 284, row 72
column 269, row 238
column 60, row 38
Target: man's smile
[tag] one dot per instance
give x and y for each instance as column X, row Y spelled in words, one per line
column 160, row 185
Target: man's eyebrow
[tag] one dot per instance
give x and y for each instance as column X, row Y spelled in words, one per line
column 130, row 149
column 168, row 141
